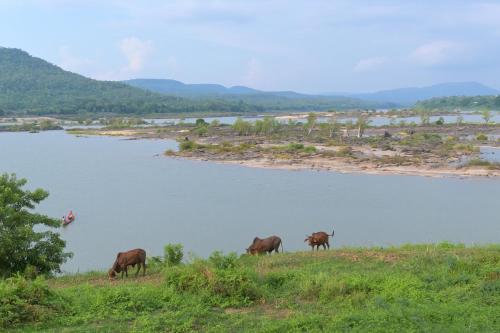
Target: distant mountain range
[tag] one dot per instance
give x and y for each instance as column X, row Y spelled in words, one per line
column 174, row 87
column 33, row 86
column 410, row 96
column 395, row 97
column 271, row 100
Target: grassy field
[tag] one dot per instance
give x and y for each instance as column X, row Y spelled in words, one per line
column 414, row 288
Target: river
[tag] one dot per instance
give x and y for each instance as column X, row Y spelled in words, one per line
column 126, row 194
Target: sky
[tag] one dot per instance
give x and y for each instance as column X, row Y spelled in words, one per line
column 311, row 46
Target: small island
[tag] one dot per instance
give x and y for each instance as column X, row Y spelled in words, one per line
column 331, row 141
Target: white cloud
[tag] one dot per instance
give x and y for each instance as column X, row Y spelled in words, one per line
column 435, row 53
column 136, row 51
column 369, row 64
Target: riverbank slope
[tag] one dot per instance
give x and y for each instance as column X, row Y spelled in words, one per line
column 442, row 287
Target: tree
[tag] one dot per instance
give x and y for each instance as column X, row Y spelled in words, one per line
column 362, row 123
column 200, row 122
column 486, row 114
column 22, row 249
column 311, row 122
column 425, row 117
column 333, row 126
column 242, row 127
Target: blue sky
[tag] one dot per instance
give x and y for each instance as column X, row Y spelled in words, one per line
column 310, row 46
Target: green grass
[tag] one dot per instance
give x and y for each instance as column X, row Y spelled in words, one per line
column 413, row 288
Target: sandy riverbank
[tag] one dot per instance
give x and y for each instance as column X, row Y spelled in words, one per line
column 343, row 166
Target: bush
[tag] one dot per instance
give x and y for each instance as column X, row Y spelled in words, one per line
column 229, row 286
column 481, row 137
column 221, row 280
column 440, row 121
column 344, row 151
column 23, row 301
column 173, row 254
column 187, row 145
column 220, row 261
column 201, row 131
column 200, row 122
column 169, row 152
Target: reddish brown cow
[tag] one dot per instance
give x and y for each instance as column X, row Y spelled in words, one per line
column 129, row 258
column 317, row 239
column 268, row 244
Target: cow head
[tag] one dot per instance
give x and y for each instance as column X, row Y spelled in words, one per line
column 252, row 250
column 111, row 274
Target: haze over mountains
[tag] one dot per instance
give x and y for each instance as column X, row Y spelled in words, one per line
column 396, row 97
column 411, row 95
column 32, row 86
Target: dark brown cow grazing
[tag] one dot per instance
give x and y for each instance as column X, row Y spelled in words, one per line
column 129, row 258
column 317, row 239
column 268, row 244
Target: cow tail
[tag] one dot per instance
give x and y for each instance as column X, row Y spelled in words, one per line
column 333, row 232
column 281, row 243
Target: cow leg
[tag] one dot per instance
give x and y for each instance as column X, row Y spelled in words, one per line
column 324, row 246
column 123, row 271
column 126, row 271
column 328, row 244
column 138, row 269
column 143, row 268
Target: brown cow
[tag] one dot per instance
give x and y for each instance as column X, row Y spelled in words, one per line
column 268, row 244
column 129, row 258
column 317, row 239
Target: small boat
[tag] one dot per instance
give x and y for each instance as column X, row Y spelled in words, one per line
column 68, row 218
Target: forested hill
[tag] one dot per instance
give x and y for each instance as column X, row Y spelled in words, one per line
column 32, row 86
column 462, row 102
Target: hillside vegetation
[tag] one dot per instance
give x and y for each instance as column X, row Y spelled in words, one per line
column 417, row 288
column 462, row 102
column 32, row 86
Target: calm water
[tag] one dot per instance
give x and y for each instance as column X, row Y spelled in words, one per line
column 126, row 196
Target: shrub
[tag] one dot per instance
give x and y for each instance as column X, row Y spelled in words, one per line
column 295, row 146
column 482, row 163
column 481, row 137
column 201, row 131
column 310, row 149
column 23, row 301
column 344, row 151
column 230, row 286
column 201, row 122
column 220, row 261
column 173, row 254
column 187, row 145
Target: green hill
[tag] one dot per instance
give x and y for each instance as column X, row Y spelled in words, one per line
column 417, row 288
column 32, row 86
column 461, row 102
